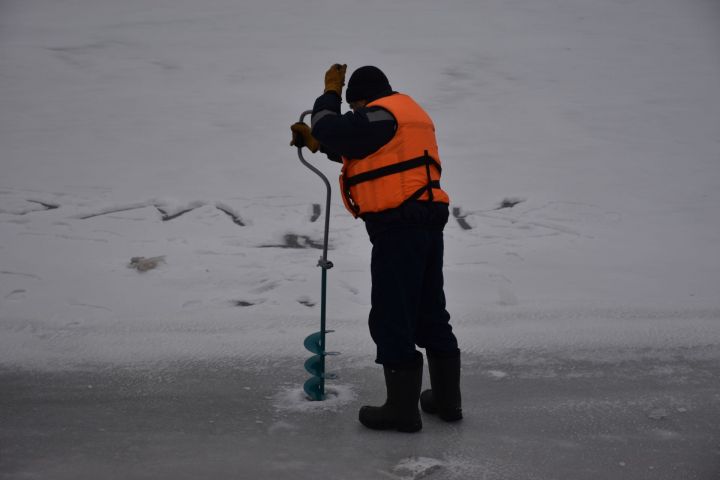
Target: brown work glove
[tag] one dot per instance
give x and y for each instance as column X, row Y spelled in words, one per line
column 302, row 137
column 335, row 79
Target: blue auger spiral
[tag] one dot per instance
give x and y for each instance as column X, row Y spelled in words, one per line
column 315, row 342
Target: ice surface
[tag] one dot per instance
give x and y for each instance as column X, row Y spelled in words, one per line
column 580, row 147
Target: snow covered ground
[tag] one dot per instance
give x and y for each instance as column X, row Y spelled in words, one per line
column 581, row 145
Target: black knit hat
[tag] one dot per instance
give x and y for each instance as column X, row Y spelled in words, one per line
column 367, row 83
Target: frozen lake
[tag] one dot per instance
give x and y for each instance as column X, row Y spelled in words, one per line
column 549, row 418
column 580, row 145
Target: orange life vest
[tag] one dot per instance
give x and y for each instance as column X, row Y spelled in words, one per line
column 405, row 168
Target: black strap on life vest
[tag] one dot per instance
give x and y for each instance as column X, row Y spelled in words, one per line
column 425, row 160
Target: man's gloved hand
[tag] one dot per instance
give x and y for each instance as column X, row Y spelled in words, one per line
column 302, row 137
column 335, row 79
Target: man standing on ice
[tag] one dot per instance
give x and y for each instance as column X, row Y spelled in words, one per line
column 391, row 179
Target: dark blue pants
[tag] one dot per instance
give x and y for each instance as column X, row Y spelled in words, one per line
column 408, row 300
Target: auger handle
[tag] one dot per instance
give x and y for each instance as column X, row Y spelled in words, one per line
column 323, row 261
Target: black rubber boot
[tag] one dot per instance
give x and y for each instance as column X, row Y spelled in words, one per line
column 444, row 397
column 400, row 411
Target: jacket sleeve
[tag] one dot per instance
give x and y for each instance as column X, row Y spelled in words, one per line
column 354, row 135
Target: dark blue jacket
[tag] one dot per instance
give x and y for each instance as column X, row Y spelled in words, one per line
column 355, row 135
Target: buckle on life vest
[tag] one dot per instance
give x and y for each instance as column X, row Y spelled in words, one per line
column 347, row 199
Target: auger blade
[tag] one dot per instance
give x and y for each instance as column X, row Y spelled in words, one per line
column 314, row 388
column 314, row 366
column 312, row 343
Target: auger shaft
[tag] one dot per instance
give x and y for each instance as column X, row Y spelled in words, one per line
column 315, row 386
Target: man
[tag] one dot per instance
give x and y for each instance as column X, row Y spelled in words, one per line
column 391, row 179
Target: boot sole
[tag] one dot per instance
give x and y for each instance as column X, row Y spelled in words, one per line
column 409, row 428
column 451, row 417
column 413, row 427
column 399, row 428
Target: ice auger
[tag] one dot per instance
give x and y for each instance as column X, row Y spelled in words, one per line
column 315, row 342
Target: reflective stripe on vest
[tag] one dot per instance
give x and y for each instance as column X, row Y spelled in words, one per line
column 406, row 168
